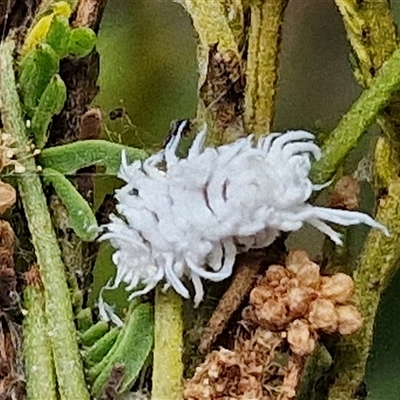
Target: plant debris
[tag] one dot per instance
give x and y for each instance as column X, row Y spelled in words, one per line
column 288, row 310
column 346, row 194
column 12, row 384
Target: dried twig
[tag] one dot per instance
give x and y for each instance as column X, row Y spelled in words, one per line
column 248, row 267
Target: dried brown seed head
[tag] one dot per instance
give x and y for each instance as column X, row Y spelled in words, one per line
column 306, row 272
column 8, row 197
column 338, row 288
column 296, row 258
column 300, row 338
column 349, row 319
column 298, row 300
column 259, row 295
column 322, row 315
column 274, row 313
column 274, row 276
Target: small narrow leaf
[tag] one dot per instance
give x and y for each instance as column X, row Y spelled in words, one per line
column 81, row 217
column 50, row 104
column 81, row 42
column 36, row 71
column 68, row 158
column 43, row 25
column 99, row 349
column 95, row 333
column 96, row 369
column 131, row 351
column 58, row 36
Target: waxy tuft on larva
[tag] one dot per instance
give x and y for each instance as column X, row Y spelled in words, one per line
column 189, row 217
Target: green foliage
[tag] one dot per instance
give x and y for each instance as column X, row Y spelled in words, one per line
column 84, row 319
column 99, row 349
column 36, row 72
column 67, row 159
column 58, row 36
column 50, row 103
column 43, row 92
column 94, row 333
column 81, row 42
column 130, row 350
column 81, row 217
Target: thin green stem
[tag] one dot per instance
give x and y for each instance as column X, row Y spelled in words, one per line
column 212, row 24
column 379, row 262
column 59, row 314
column 262, row 65
column 39, row 368
column 168, row 345
column 361, row 116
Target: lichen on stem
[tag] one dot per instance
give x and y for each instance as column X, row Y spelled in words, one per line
column 61, row 328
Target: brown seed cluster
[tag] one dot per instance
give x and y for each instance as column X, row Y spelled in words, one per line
column 287, row 310
column 298, row 300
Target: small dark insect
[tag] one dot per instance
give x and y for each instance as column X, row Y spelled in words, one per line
column 117, row 113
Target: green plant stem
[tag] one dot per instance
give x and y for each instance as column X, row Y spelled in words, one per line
column 379, row 262
column 360, row 116
column 59, row 314
column 39, row 368
column 262, row 64
column 168, row 345
column 211, row 24
column 371, row 31
column 220, row 28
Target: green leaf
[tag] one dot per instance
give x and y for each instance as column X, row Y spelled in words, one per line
column 100, row 349
column 95, row 333
column 130, row 350
column 81, row 217
column 36, row 71
column 50, row 104
column 58, row 36
column 81, row 42
column 68, row 158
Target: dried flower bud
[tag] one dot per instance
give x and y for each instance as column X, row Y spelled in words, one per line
column 307, row 272
column 259, row 295
column 322, row 315
column 274, row 313
column 300, row 338
column 309, row 275
column 298, row 300
column 349, row 319
column 7, row 196
column 274, row 275
column 295, row 259
column 338, row 287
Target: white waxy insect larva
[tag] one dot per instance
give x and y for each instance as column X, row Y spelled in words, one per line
column 190, row 218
